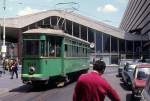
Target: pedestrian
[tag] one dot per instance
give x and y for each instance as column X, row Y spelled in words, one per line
column 93, row 87
column 14, row 69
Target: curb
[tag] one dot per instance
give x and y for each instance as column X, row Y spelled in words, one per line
column 112, row 65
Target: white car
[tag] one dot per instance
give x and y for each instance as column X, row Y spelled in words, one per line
column 122, row 64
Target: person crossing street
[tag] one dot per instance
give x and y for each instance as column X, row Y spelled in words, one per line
column 14, row 69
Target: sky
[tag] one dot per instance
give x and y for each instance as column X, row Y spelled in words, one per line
column 107, row 11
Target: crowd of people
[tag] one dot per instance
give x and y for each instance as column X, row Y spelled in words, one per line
column 10, row 65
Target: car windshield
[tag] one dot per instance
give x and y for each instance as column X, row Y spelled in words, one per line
column 143, row 73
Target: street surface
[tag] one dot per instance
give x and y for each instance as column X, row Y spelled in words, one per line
column 14, row 90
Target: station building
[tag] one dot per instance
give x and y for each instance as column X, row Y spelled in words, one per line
column 111, row 43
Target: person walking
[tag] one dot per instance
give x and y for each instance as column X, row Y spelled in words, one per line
column 14, row 69
column 93, row 87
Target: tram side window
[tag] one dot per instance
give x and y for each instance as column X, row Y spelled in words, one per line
column 58, row 50
column 31, row 47
column 54, row 47
column 70, row 50
column 58, row 47
column 66, row 50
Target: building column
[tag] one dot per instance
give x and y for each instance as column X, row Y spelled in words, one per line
column 102, row 43
column 118, row 47
column 133, row 49
column 110, row 52
column 126, row 48
column 19, row 44
column 80, row 31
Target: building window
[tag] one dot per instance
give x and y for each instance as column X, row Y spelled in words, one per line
column 83, row 32
column 145, row 49
column 114, row 59
column 114, row 45
column 137, row 49
column 91, row 35
column 106, row 43
column 129, row 49
column 98, row 42
column 54, row 21
column 68, row 27
column 75, row 29
column 122, row 46
column 129, row 46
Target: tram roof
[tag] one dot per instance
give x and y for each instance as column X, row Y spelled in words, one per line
column 55, row 32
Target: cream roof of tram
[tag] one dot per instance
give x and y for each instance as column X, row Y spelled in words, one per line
column 22, row 21
column 52, row 32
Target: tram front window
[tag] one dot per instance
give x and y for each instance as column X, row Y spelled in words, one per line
column 31, row 47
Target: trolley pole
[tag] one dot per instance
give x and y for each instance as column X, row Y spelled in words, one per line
column 3, row 48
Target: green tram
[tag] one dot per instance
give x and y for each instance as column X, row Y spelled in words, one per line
column 52, row 54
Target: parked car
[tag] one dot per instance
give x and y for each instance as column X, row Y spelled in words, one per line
column 146, row 91
column 127, row 73
column 122, row 64
column 140, row 76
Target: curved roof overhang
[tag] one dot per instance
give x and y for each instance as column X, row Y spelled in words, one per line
column 22, row 21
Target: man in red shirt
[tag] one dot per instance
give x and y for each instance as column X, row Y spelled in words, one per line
column 92, row 87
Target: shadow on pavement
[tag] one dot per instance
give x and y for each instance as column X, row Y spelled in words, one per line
column 37, row 88
column 21, row 89
column 31, row 88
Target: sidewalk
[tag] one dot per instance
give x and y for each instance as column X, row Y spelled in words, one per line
column 7, row 84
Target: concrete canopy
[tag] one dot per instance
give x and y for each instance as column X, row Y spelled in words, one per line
column 22, row 21
column 14, row 25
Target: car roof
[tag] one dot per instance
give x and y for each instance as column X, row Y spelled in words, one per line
column 132, row 66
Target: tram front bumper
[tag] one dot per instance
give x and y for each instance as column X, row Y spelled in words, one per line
column 34, row 77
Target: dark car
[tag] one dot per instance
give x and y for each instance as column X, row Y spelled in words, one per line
column 127, row 73
column 122, row 64
column 140, row 77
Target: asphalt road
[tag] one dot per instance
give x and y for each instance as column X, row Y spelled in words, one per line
column 28, row 93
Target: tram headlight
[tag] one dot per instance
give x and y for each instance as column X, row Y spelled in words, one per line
column 31, row 70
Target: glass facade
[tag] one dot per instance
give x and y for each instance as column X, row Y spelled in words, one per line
column 108, row 47
column 106, row 43
column 98, row 42
column 91, row 34
column 114, row 44
column 121, row 46
column 137, row 49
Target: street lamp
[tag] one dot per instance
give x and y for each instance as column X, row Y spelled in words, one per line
column 3, row 48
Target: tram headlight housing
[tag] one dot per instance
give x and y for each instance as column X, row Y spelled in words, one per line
column 31, row 70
